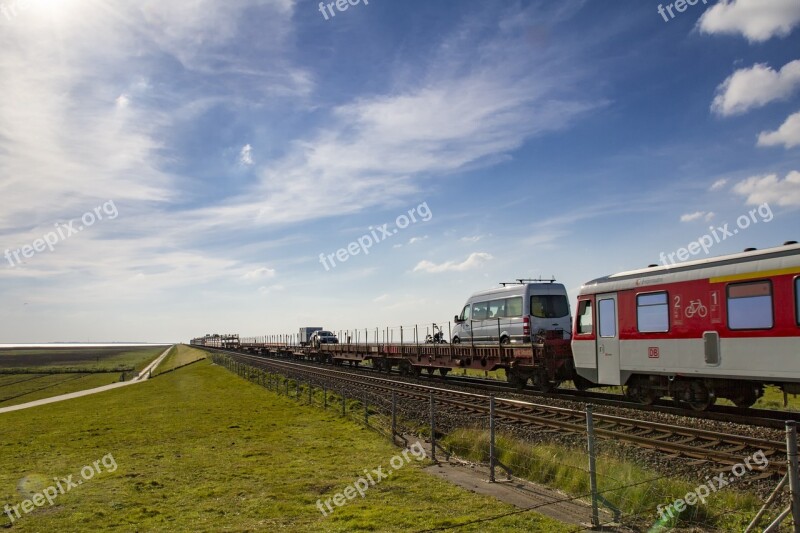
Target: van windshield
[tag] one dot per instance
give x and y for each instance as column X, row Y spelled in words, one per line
column 549, row 306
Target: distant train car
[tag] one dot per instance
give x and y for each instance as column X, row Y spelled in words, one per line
column 696, row 331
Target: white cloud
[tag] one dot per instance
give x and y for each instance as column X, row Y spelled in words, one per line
column 475, row 238
column 414, row 240
column 757, row 20
column 260, row 273
column 475, row 260
column 381, row 298
column 697, row 215
column 787, row 135
column 771, row 189
column 270, row 289
column 754, row 87
column 246, row 155
column 123, row 101
column 719, row 184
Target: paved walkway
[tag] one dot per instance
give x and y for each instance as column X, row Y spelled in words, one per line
column 144, row 375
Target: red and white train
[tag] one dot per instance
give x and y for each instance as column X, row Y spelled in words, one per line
column 697, row 331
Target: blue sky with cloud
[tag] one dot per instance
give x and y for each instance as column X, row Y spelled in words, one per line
column 241, row 140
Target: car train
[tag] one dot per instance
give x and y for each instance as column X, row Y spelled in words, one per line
column 722, row 327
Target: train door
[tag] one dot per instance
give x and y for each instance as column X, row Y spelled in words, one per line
column 608, row 371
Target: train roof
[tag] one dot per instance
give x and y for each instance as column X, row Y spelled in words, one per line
column 768, row 259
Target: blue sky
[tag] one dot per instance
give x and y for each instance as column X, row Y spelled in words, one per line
column 238, row 141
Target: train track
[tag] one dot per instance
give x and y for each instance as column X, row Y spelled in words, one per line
column 710, row 446
column 721, row 413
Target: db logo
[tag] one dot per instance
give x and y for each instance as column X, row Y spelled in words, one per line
column 653, row 353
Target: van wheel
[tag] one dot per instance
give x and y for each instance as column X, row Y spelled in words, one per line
column 505, row 341
column 456, row 340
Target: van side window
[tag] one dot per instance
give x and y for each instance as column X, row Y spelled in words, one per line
column 514, row 307
column 465, row 314
column 750, row 305
column 480, row 310
column 585, row 325
column 497, row 308
column 652, row 312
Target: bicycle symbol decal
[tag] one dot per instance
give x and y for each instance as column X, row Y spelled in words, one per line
column 696, row 307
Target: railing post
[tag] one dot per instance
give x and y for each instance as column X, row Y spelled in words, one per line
column 433, row 428
column 592, row 471
column 394, row 414
column 491, row 439
column 366, row 411
column 794, row 483
column 324, row 398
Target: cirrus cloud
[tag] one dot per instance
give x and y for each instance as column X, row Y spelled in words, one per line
column 474, row 260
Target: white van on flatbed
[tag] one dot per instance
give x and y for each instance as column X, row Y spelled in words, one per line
column 514, row 313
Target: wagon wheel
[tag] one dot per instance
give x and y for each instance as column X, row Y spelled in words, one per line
column 541, row 383
column 430, row 371
column 744, row 398
column 581, row 383
column 700, row 398
column 444, row 371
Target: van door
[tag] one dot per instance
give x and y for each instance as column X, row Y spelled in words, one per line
column 608, row 360
column 463, row 329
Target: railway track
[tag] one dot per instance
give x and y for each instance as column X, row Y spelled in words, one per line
column 710, row 446
column 720, row 413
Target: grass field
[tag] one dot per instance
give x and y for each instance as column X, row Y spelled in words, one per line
column 179, row 356
column 49, row 385
column 100, row 359
column 40, row 373
column 200, row 449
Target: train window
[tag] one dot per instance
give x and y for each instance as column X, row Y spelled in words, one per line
column 514, row 307
column 750, row 305
column 797, row 300
column 480, row 311
column 585, row 323
column 549, row 306
column 652, row 312
column 608, row 318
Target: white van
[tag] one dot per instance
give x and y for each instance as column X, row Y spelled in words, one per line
column 513, row 313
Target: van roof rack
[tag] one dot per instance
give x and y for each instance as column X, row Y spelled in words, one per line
column 528, row 280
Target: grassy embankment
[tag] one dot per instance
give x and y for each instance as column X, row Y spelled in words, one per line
column 33, row 374
column 179, row 355
column 200, row 449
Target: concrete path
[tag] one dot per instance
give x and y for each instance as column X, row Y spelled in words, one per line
column 144, row 375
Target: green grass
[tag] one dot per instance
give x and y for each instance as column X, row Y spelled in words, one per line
column 179, row 355
column 200, row 449
column 49, row 385
column 101, row 359
column 643, row 490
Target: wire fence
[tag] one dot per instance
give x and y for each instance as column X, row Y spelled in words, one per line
column 593, row 483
